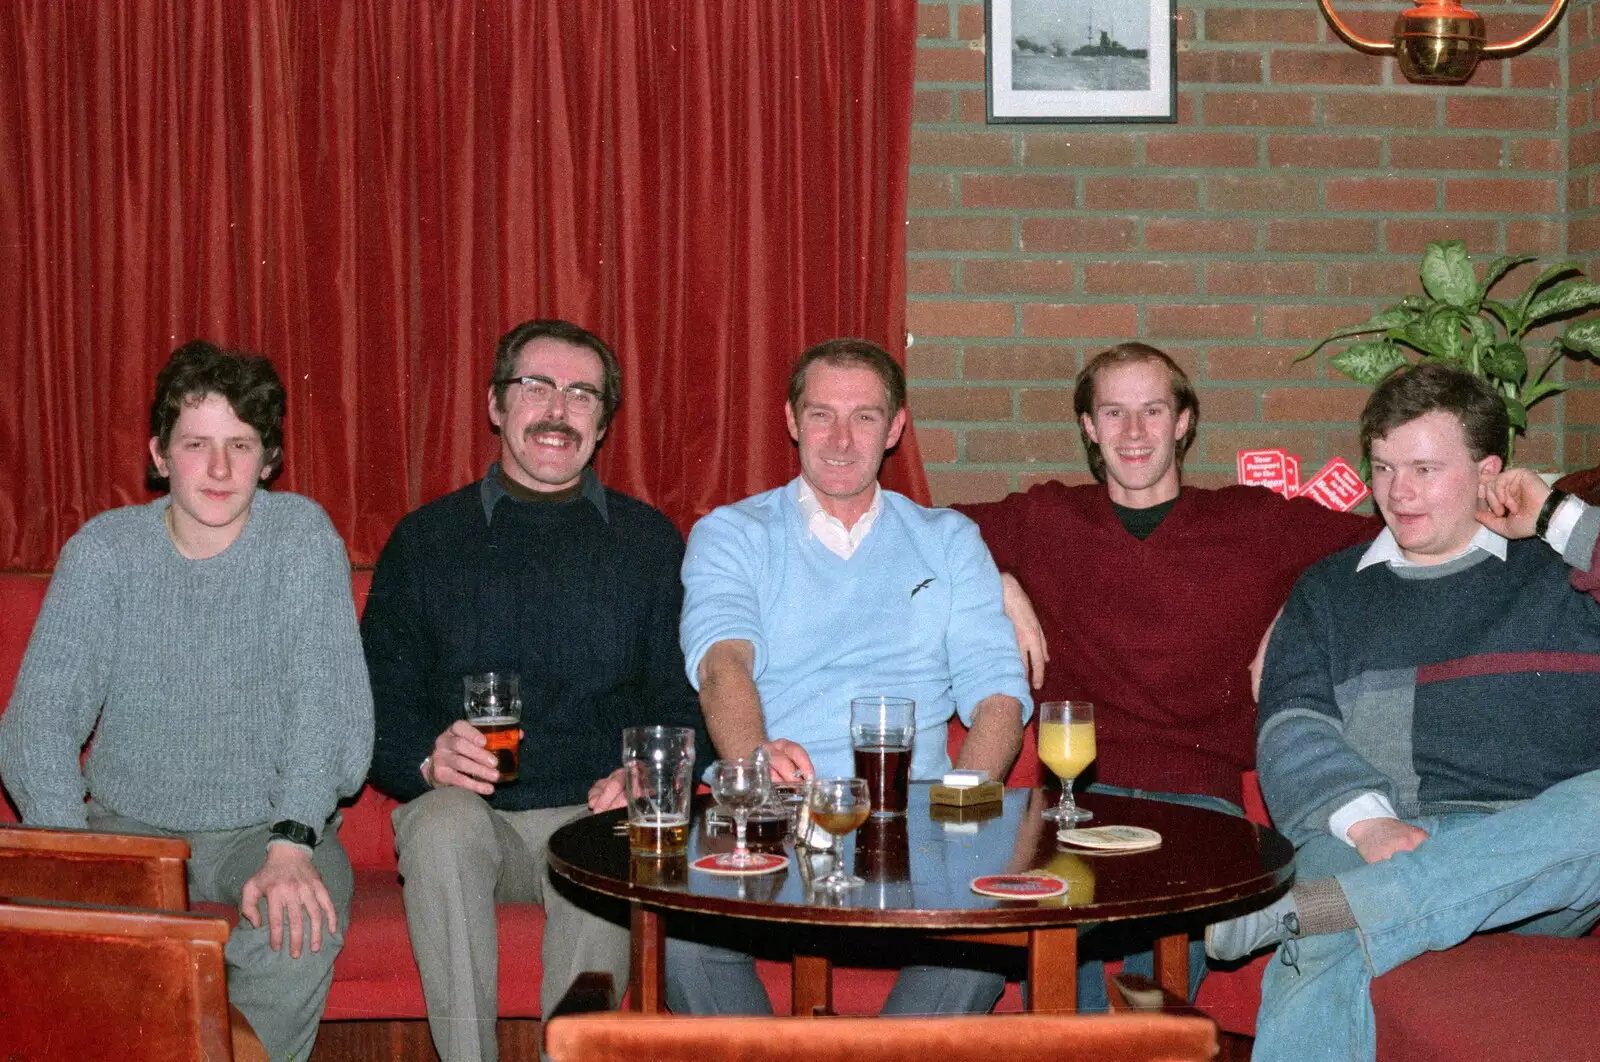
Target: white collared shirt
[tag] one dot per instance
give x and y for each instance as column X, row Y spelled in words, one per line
column 830, row 530
column 1385, row 550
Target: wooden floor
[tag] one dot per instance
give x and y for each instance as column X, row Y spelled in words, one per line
column 407, row 1041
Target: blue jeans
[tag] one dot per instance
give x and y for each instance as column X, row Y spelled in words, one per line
column 1110, row 938
column 1535, row 867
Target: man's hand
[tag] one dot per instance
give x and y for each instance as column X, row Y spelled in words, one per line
column 290, row 885
column 1378, row 839
column 789, row 760
column 1030, row 635
column 1510, row 502
column 459, row 758
column 608, row 793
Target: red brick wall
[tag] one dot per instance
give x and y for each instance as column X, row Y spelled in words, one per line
column 1294, row 194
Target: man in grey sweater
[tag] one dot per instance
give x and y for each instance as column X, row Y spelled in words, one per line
column 208, row 640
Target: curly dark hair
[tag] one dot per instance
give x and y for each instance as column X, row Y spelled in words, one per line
column 248, row 381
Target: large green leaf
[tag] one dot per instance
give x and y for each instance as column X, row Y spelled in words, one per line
column 1447, row 275
column 1394, row 317
column 1541, row 390
column 1370, row 362
column 1508, row 316
column 1516, row 412
column 1571, row 296
column 1506, row 361
column 1503, row 265
column 1560, row 269
column 1583, row 338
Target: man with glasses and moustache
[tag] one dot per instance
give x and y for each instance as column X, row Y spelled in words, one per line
column 541, row 570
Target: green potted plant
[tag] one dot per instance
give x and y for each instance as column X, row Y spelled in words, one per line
column 1455, row 321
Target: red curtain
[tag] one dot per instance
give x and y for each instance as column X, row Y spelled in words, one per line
column 372, row 192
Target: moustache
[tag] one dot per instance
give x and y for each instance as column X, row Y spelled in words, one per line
column 554, row 427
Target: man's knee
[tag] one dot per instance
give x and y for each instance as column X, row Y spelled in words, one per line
column 442, row 830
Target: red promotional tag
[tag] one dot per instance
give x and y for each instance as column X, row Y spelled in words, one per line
column 1263, row 468
column 1337, row 486
column 1291, row 475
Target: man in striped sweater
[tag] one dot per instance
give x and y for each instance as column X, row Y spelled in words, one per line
column 1426, row 733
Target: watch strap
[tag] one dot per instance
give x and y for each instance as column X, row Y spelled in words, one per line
column 293, row 832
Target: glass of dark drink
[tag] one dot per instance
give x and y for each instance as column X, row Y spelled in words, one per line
column 881, row 729
column 492, row 703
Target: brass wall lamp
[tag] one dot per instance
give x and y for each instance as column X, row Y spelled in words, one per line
column 1439, row 42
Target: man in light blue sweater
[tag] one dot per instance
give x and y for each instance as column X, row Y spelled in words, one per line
column 828, row 588
column 208, row 641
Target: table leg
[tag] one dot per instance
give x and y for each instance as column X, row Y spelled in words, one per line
column 647, row 966
column 1053, row 970
column 811, row 984
column 1172, row 964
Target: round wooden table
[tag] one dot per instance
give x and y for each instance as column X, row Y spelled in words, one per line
column 919, row 870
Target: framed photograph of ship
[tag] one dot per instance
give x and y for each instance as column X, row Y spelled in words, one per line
column 1082, row 61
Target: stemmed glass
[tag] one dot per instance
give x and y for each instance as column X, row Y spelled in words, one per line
column 740, row 785
column 838, row 805
column 1066, row 746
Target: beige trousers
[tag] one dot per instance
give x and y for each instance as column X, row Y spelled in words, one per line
column 458, row 857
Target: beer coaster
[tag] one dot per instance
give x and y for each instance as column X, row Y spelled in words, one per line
column 761, row 863
column 1110, row 838
column 1019, row 886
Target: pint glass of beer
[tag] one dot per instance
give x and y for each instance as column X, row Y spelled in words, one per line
column 658, row 780
column 881, row 729
column 493, row 704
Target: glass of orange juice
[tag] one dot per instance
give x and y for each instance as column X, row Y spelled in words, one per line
column 1066, row 746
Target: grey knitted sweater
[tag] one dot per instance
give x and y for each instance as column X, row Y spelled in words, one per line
column 222, row 693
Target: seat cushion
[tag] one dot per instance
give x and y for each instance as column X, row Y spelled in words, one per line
column 1499, row 996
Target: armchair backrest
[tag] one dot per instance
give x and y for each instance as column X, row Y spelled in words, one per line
column 86, row 867
column 103, row 982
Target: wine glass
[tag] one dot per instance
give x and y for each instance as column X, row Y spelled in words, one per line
column 838, row 805
column 1066, row 746
column 740, row 785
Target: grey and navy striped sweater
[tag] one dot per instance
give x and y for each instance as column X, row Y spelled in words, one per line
column 1474, row 683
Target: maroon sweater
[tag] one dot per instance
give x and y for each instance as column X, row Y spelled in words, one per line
column 1159, row 634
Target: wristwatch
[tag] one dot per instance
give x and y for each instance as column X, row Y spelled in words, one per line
column 293, row 832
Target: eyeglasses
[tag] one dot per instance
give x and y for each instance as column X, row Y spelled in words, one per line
column 581, row 398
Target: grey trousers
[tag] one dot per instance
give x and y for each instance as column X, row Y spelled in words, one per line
column 706, row 978
column 281, row 996
column 458, row 857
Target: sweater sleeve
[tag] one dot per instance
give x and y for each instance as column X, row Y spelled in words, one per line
column 400, row 657
column 1003, row 525
column 328, row 713
column 721, row 600
column 980, row 641
column 1307, row 768
column 60, row 689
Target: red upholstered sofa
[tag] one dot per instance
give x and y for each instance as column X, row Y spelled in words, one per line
column 1496, row 997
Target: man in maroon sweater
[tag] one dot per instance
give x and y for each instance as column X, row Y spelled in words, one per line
column 1152, row 598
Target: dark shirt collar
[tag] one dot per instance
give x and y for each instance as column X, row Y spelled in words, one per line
column 490, row 491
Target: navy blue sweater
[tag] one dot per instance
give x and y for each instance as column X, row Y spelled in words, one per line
column 1470, row 683
column 583, row 605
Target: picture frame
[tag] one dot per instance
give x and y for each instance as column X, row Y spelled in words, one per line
column 1081, row 61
